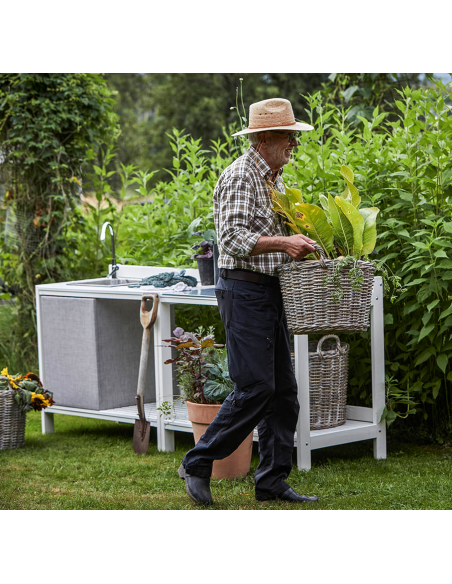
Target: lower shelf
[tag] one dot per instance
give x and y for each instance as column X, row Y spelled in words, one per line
column 126, row 414
column 351, row 431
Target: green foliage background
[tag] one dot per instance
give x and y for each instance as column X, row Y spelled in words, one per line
column 50, row 126
column 400, row 154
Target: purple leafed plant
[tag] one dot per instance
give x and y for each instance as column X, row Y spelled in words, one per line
column 193, row 351
column 203, row 249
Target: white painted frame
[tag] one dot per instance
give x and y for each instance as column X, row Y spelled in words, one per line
column 361, row 423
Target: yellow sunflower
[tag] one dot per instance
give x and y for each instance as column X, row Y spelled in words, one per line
column 11, row 379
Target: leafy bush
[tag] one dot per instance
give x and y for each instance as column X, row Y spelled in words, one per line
column 403, row 167
column 49, row 125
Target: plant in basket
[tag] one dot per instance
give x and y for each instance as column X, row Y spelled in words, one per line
column 19, row 394
column 345, row 233
column 204, row 381
column 343, row 230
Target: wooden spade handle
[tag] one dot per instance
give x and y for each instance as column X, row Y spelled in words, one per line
column 147, row 318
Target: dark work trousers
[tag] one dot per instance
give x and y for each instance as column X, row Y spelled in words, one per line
column 265, row 393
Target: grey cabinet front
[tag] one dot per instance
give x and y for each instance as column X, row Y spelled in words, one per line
column 91, row 352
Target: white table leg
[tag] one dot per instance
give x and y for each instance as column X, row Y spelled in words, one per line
column 303, row 425
column 378, row 366
column 163, row 375
column 47, row 422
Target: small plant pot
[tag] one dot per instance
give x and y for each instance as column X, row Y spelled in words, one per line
column 205, row 267
column 236, row 464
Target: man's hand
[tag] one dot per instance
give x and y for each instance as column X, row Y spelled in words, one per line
column 298, row 246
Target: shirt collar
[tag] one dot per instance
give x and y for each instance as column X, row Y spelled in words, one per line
column 264, row 170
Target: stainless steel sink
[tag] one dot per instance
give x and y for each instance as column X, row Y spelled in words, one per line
column 107, row 282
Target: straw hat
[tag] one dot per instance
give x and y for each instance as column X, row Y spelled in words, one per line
column 272, row 114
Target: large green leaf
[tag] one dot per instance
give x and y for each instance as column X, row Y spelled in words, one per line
column 369, row 214
column 351, row 192
column 282, row 199
column 312, row 219
column 357, row 223
column 342, row 228
column 324, row 202
column 294, row 195
column 217, row 390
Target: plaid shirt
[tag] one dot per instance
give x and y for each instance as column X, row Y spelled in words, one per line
column 243, row 213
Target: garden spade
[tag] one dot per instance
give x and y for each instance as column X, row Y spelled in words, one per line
column 142, row 427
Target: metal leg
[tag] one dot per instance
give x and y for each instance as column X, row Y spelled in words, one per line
column 303, row 425
column 47, row 423
column 163, row 375
column 378, row 366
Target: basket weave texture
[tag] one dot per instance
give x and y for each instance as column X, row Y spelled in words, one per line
column 12, row 422
column 309, row 304
column 328, row 377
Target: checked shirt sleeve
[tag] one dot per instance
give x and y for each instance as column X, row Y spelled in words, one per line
column 236, row 202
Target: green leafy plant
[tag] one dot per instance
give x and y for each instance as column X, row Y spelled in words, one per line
column 219, row 384
column 341, row 228
column 395, row 397
column 196, row 365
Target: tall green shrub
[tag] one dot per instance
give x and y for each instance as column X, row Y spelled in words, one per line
column 48, row 123
column 404, row 167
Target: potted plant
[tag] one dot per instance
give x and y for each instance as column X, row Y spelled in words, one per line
column 203, row 377
column 204, row 258
column 19, row 394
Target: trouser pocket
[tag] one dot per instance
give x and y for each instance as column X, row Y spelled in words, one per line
column 250, row 357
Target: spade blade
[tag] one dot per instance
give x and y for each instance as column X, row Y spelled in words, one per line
column 141, row 437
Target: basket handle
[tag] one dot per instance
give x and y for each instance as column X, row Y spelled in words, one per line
column 339, row 349
column 320, row 252
column 9, row 383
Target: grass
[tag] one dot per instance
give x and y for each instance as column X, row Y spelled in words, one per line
column 90, row 464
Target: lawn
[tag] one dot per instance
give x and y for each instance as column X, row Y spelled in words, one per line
column 90, row 464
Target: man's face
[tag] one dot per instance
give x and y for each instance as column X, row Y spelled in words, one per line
column 279, row 149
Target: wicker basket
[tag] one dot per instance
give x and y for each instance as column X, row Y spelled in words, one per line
column 328, row 376
column 12, row 421
column 309, row 304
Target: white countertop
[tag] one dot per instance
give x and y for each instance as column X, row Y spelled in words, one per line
column 197, row 295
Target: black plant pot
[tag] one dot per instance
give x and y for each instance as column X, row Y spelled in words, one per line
column 205, row 267
column 216, row 270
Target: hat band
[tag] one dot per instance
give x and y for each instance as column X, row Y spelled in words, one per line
column 272, row 125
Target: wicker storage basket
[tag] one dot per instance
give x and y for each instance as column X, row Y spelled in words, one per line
column 328, row 376
column 309, row 304
column 12, row 421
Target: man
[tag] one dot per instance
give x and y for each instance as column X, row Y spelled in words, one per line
column 253, row 242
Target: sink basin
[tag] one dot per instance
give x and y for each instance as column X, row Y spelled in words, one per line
column 107, row 282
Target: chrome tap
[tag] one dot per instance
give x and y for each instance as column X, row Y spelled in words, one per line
column 114, row 267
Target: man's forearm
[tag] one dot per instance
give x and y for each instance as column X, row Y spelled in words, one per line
column 269, row 245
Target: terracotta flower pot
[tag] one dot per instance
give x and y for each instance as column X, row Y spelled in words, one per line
column 236, row 464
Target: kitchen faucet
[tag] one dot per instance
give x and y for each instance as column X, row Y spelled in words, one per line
column 114, row 267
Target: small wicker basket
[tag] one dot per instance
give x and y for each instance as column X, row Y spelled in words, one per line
column 328, row 376
column 309, row 303
column 12, row 421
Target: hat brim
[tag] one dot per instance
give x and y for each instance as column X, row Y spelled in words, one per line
column 297, row 127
